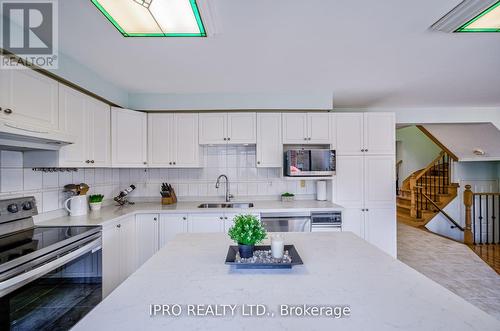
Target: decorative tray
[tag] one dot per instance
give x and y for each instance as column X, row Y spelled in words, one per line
column 263, row 259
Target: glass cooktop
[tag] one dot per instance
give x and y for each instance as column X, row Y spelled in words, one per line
column 29, row 241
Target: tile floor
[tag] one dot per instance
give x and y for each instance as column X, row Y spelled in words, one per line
column 451, row 264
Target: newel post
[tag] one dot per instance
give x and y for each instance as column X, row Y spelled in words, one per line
column 468, row 199
column 413, row 204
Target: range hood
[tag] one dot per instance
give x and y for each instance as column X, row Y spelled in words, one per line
column 16, row 138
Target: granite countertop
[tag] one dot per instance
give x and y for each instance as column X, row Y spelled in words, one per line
column 113, row 213
column 339, row 269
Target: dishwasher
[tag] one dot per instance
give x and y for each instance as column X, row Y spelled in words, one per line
column 329, row 221
column 286, row 222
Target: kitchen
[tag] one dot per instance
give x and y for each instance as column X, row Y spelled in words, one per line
column 114, row 214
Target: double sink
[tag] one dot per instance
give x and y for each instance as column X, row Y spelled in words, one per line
column 227, row 205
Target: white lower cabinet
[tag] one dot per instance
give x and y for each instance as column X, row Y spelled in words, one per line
column 205, row 223
column 147, row 236
column 118, row 253
column 170, row 225
column 375, row 225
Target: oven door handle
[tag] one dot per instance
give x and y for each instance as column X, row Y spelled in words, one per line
column 18, row 281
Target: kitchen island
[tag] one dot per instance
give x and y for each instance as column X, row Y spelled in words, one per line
column 340, row 270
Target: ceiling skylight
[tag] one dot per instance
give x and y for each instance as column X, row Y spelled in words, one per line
column 486, row 21
column 153, row 18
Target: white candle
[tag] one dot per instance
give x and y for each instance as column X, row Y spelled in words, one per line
column 277, row 246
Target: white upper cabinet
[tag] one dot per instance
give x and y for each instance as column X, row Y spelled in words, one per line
column 349, row 132
column 213, row 128
column 128, row 138
column 307, row 128
column 269, row 144
column 75, row 120
column 380, row 133
column 100, row 133
column 365, row 133
column 30, row 100
column 318, row 127
column 88, row 121
column 173, row 140
column 295, row 128
column 241, row 128
column 227, row 128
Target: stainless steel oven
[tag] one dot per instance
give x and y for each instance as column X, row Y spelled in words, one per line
column 50, row 277
column 309, row 162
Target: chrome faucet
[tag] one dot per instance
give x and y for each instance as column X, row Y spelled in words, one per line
column 229, row 196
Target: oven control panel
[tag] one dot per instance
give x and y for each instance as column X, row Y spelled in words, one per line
column 17, row 208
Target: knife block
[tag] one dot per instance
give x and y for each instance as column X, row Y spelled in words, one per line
column 169, row 200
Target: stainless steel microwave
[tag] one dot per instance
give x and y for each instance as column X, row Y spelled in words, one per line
column 309, row 162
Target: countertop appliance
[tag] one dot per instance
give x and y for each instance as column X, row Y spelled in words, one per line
column 330, row 221
column 309, row 163
column 56, row 269
column 286, row 222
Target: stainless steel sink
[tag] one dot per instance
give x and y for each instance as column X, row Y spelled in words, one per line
column 227, row 205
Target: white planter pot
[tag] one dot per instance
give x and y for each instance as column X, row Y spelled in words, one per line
column 95, row 206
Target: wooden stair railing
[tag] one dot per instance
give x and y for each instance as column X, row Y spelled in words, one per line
column 432, row 181
column 482, row 217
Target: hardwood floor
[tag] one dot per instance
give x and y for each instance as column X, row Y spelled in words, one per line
column 451, row 264
column 489, row 254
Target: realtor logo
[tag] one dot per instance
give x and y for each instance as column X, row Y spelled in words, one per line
column 29, row 30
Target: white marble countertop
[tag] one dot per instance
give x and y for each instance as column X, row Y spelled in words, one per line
column 339, row 269
column 113, row 213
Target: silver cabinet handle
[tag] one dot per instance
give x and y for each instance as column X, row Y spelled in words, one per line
column 184, row 218
column 366, row 150
column 225, row 139
column 228, row 139
column 221, row 218
column 92, row 161
column 87, row 161
column 144, row 162
column 174, row 163
column 7, row 111
column 305, row 138
column 118, row 226
column 155, row 219
column 258, row 162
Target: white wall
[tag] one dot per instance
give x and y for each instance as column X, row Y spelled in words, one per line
column 416, row 150
column 237, row 162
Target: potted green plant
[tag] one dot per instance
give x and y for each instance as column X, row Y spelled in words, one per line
column 287, row 197
column 95, row 201
column 246, row 232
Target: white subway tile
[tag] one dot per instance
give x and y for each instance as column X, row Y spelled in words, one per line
column 79, row 176
column 116, row 176
column 99, row 176
column 50, row 179
column 32, row 179
column 253, row 189
column 65, row 178
column 11, row 159
column 125, row 176
column 50, row 201
column 11, row 179
column 89, row 176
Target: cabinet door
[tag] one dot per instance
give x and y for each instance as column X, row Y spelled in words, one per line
column 100, row 137
column 146, row 226
column 295, row 128
column 128, row 138
column 32, row 97
column 349, row 181
column 353, row 221
column 349, row 131
column 241, row 128
column 170, row 226
column 380, row 229
column 110, row 259
column 186, row 149
column 380, row 181
column 128, row 255
column 205, row 223
column 269, row 145
column 75, row 121
column 379, row 133
column 318, row 127
column 213, row 128
column 160, row 140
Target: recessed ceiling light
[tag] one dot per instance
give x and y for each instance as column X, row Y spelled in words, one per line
column 486, row 21
column 471, row 16
column 153, row 18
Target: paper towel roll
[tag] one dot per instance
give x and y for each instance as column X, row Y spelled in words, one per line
column 321, row 190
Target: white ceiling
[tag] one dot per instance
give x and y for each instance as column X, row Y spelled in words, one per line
column 365, row 53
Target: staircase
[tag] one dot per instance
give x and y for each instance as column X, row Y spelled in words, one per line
column 426, row 192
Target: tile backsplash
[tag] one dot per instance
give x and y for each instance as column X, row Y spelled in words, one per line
column 237, row 162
